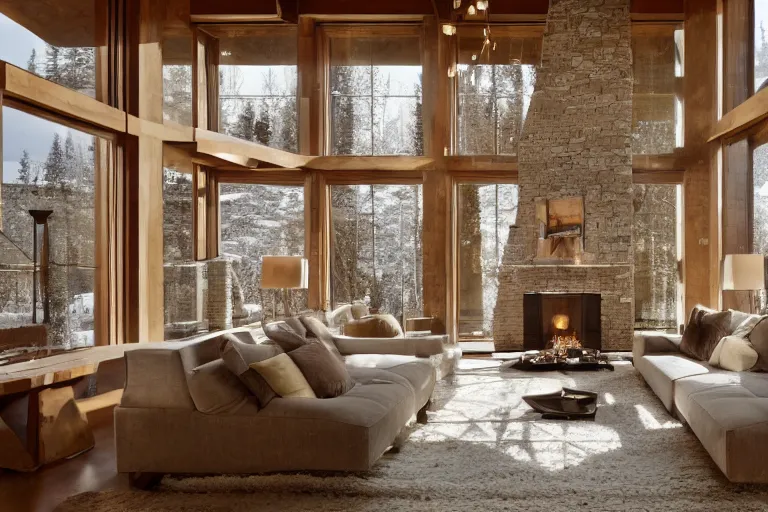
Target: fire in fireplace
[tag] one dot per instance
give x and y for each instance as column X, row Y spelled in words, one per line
column 561, row 321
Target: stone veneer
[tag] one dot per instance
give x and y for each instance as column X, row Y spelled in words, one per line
column 576, row 142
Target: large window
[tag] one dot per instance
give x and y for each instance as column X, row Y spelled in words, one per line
column 657, row 222
column 494, row 90
column 48, row 167
column 257, row 84
column 375, row 93
column 177, row 79
column 376, row 247
column 485, row 214
column 66, row 52
column 259, row 220
column 657, row 106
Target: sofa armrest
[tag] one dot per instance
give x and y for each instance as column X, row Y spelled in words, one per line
column 654, row 342
column 421, row 346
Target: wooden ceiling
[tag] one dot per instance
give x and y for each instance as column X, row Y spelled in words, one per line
column 289, row 10
column 73, row 22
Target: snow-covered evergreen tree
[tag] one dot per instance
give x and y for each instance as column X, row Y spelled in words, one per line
column 245, row 125
column 263, row 129
column 32, row 62
column 24, row 168
column 53, row 169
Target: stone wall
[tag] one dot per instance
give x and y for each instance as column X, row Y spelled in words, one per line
column 577, row 142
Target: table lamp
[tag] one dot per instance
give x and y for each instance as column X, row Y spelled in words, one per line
column 284, row 273
column 744, row 272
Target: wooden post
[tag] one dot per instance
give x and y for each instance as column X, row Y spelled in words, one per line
column 700, row 267
column 436, row 236
column 737, row 156
column 144, row 175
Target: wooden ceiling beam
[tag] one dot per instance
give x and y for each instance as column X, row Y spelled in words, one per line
column 370, row 163
column 742, row 117
column 244, row 153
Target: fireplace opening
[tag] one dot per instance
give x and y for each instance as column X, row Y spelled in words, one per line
column 561, row 320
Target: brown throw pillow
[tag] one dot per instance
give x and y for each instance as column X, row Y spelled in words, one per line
column 317, row 329
column 704, row 331
column 216, row 391
column 238, row 357
column 282, row 334
column 326, row 375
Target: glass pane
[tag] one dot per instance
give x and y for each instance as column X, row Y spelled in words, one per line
column 375, row 95
column 67, row 52
column 761, row 43
column 257, row 85
column 760, row 198
column 177, row 79
column 494, row 91
column 376, row 247
column 656, row 105
column 486, row 213
column 49, row 167
column 656, row 255
column 259, row 220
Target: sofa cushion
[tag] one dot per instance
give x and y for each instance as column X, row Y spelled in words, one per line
column 661, row 372
column 284, row 377
column 325, row 373
column 687, row 386
column 238, row 357
column 704, row 330
column 732, row 424
column 216, row 390
column 759, row 339
column 734, row 353
column 282, row 334
column 297, row 326
column 374, row 326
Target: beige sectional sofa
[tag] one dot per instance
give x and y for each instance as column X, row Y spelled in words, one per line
column 728, row 411
column 159, row 429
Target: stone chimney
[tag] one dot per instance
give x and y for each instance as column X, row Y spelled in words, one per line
column 576, row 145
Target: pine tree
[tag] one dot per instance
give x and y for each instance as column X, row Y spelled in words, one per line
column 70, row 159
column 32, row 62
column 262, row 129
column 52, row 63
column 343, row 136
column 53, row 169
column 24, row 169
column 245, row 125
column 417, row 129
column 288, row 132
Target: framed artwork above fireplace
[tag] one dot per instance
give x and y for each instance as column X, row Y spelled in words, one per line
column 561, row 229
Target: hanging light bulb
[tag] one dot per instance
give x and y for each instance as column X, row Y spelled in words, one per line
column 474, row 56
column 449, row 29
column 471, row 11
column 456, row 4
column 482, row 5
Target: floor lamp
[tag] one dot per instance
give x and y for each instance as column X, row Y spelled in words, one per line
column 745, row 272
column 284, row 273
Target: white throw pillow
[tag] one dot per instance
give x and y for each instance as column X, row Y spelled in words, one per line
column 735, row 354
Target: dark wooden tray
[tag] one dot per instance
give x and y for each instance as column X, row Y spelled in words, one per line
column 567, row 367
column 564, row 404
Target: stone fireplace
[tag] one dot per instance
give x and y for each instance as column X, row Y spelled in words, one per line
column 574, row 222
column 547, row 315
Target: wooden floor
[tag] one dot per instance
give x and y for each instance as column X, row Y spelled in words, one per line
column 44, row 489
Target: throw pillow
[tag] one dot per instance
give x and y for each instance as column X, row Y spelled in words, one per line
column 284, row 377
column 704, row 331
column 325, row 373
column 359, row 310
column 298, row 327
column 215, row 390
column 734, row 354
column 759, row 339
column 317, row 329
column 282, row 334
column 238, row 356
column 744, row 329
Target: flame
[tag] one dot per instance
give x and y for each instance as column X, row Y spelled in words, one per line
column 561, row 322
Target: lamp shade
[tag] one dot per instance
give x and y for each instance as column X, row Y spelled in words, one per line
column 744, row 272
column 284, row 272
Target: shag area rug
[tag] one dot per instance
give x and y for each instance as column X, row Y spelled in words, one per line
column 485, row 450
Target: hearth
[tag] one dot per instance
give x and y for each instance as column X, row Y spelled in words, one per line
column 567, row 320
